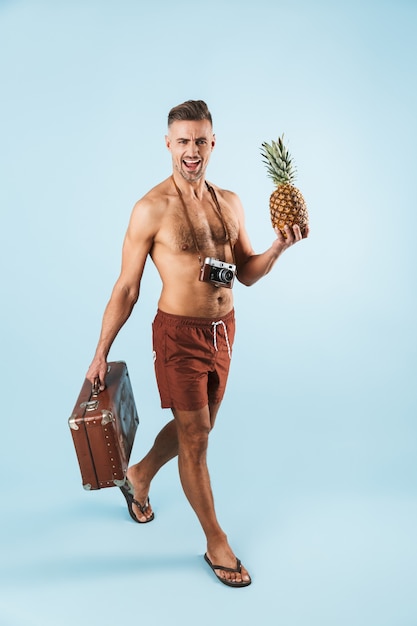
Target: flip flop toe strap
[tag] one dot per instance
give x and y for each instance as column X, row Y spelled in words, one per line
column 142, row 508
column 235, row 570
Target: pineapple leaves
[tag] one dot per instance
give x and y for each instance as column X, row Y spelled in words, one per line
column 278, row 161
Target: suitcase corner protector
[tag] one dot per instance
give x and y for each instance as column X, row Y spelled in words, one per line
column 72, row 423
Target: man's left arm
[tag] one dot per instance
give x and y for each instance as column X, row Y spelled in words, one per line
column 251, row 266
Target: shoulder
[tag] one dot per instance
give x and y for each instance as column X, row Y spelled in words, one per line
column 149, row 210
column 154, row 200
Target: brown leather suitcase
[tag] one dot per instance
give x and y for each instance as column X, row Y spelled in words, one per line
column 103, row 427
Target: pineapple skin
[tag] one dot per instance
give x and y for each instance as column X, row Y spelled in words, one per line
column 288, row 207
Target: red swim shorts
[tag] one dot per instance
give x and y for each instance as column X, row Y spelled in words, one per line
column 192, row 359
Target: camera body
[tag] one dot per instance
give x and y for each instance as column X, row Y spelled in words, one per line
column 218, row 272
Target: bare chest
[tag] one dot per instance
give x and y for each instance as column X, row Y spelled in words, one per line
column 201, row 228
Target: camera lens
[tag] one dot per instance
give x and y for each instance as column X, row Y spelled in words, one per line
column 225, row 276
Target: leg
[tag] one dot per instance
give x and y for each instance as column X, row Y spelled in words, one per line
column 213, row 410
column 193, row 428
column 164, row 449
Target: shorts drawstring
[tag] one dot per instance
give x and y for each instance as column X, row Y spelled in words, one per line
column 215, row 324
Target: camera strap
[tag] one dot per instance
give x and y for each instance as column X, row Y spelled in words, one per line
column 190, row 224
column 223, row 221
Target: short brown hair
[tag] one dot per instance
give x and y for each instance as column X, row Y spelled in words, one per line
column 190, row 111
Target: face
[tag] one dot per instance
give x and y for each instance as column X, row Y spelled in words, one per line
column 190, row 144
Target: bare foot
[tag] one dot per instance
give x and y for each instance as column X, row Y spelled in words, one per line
column 230, row 570
column 140, row 493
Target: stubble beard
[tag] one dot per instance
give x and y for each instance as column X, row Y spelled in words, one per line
column 191, row 177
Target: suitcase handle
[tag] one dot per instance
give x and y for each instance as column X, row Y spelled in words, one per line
column 95, row 387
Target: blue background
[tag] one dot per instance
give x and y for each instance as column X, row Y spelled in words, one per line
column 313, row 459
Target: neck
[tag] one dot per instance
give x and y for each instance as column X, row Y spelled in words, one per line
column 189, row 188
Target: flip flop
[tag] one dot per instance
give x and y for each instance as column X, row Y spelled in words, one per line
column 237, row 569
column 131, row 501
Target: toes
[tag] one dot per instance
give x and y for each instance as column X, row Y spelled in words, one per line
column 234, row 577
column 142, row 513
column 138, row 514
column 244, row 572
column 146, row 511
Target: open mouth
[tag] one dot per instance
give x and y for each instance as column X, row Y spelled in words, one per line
column 191, row 166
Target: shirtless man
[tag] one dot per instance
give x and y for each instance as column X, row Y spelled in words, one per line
column 178, row 224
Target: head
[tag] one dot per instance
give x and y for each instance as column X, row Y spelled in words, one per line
column 190, row 139
column 190, row 111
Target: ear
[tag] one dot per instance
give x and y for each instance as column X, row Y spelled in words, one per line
column 167, row 142
column 213, row 141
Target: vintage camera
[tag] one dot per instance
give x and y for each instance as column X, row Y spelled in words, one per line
column 217, row 272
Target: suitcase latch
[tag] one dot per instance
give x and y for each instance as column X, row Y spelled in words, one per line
column 107, row 417
column 91, row 405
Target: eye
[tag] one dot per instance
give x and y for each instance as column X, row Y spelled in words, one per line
column 201, row 142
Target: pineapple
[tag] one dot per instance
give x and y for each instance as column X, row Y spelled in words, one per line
column 286, row 204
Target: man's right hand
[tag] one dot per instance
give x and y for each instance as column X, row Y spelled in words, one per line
column 98, row 370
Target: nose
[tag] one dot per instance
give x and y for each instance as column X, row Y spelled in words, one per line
column 192, row 149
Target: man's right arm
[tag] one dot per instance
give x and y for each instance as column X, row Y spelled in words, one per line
column 136, row 246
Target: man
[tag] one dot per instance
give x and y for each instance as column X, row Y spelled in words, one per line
column 179, row 223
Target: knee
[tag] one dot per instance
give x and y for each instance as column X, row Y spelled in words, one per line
column 193, row 440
